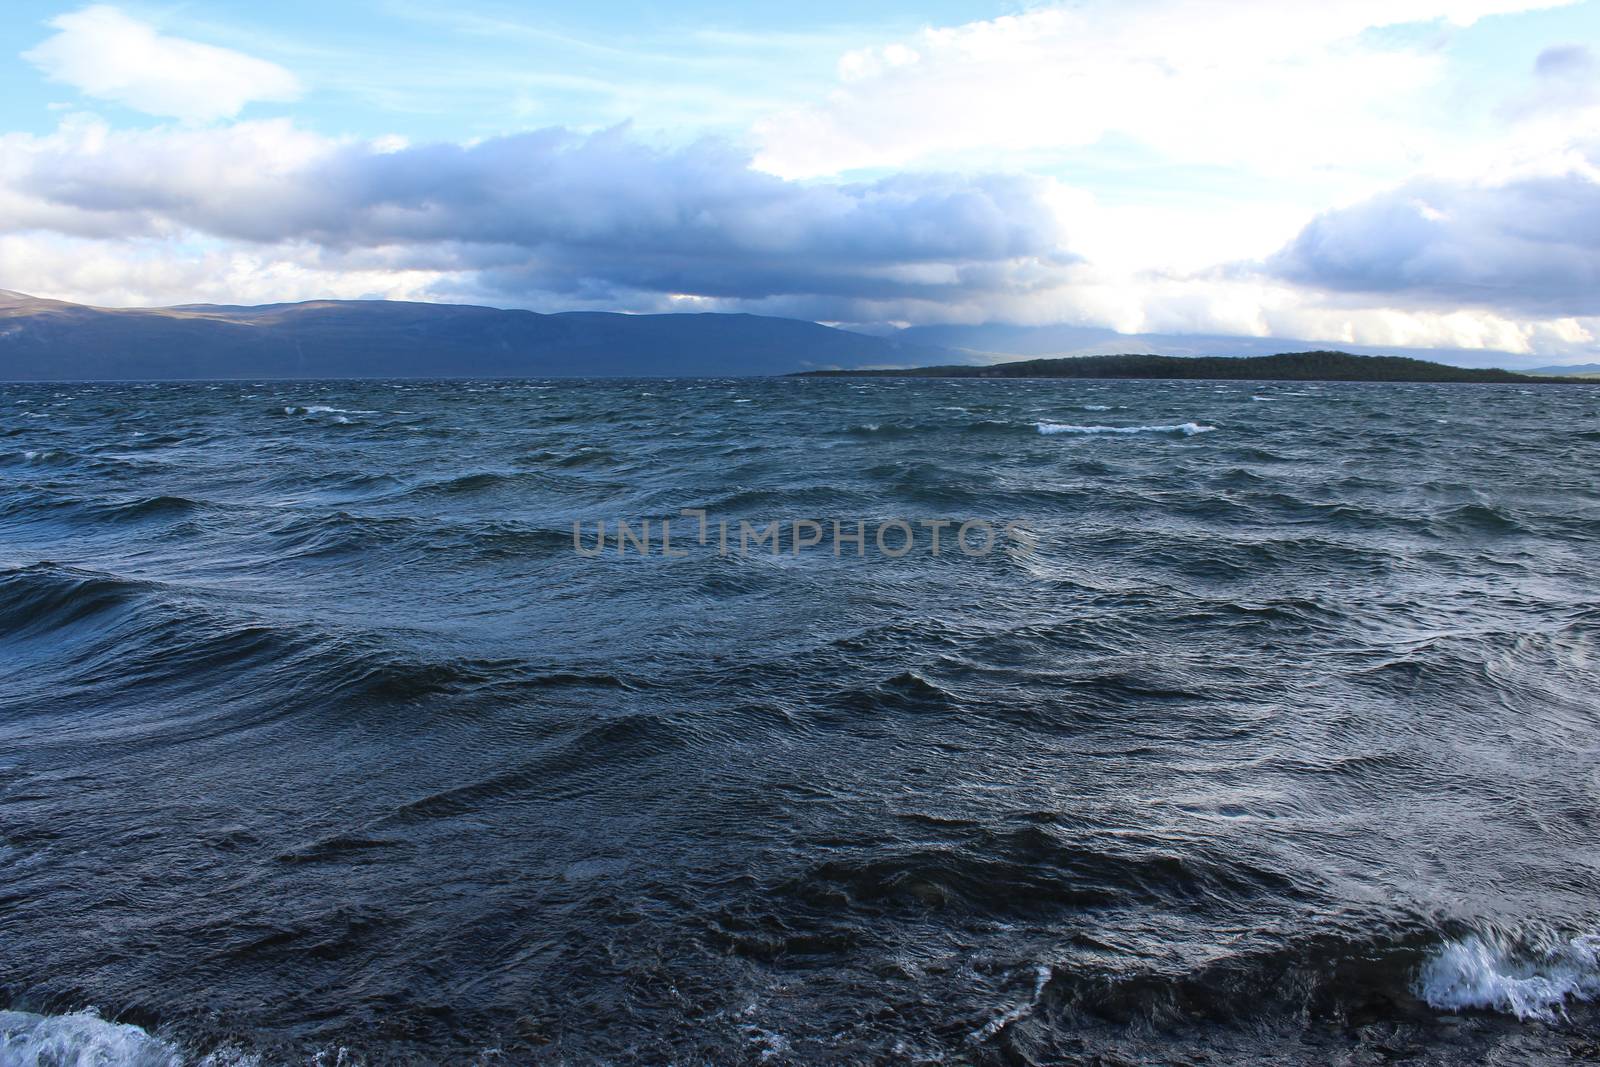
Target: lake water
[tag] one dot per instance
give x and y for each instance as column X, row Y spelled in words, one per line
column 1243, row 723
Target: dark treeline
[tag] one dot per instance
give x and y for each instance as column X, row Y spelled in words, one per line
column 1294, row 366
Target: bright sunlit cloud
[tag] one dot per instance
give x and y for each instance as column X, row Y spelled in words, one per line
column 108, row 55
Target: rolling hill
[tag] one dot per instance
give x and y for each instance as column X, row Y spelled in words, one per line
column 1295, row 366
column 51, row 340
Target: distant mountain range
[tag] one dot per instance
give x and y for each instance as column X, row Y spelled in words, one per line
column 1582, row 370
column 51, row 340
column 1291, row 366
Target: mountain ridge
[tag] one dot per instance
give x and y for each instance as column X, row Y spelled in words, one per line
column 53, row 340
column 43, row 339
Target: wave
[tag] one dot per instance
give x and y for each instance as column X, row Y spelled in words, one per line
column 45, row 455
column 122, row 637
column 584, row 456
column 326, row 413
column 1483, row 517
column 1491, row 975
column 323, row 409
column 906, row 691
column 483, row 482
column 574, row 765
column 1188, row 429
column 150, row 507
column 45, row 596
column 869, row 429
column 81, row 1038
column 1042, row 974
column 1006, row 428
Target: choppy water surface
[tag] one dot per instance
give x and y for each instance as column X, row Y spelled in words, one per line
column 317, row 738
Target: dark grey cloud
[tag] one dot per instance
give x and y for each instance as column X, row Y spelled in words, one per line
column 586, row 215
column 1530, row 246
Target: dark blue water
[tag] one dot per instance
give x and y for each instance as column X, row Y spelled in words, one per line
column 1273, row 741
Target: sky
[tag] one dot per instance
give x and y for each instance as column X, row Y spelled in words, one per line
column 1416, row 173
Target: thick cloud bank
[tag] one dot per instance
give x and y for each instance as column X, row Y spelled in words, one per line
column 550, row 211
column 1531, row 244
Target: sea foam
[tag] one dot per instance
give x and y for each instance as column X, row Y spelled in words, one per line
column 1188, row 429
column 1478, row 973
column 323, row 409
column 1041, row 978
column 83, row 1039
column 79, row 1039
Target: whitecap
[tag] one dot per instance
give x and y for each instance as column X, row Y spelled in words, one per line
column 1097, row 407
column 79, row 1038
column 1188, row 429
column 1041, row 978
column 1478, row 973
column 323, row 409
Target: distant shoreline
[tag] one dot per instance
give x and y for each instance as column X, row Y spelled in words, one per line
column 1288, row 367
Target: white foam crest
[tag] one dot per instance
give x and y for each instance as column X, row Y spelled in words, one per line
column 1482, row 974
column 84, row 1039
column 323, row 409
column 1188, row 429
column 1097, row 407
column 1041, row 978
column 79, row 1039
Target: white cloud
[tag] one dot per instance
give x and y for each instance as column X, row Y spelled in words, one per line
column 120, row 272
column 1274, row 87
column 111, row 56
